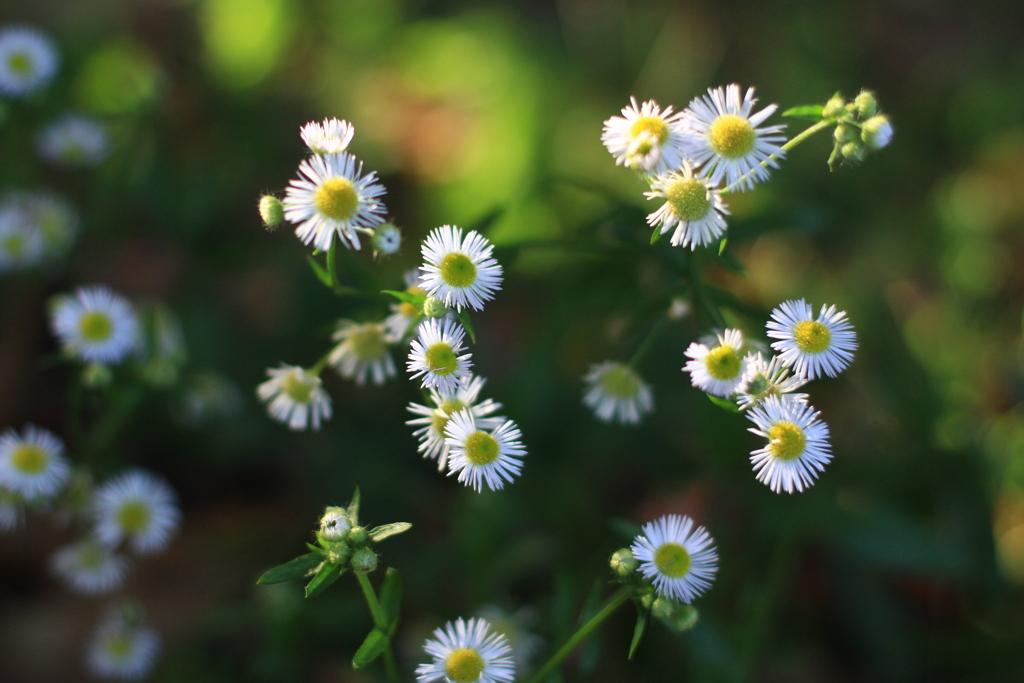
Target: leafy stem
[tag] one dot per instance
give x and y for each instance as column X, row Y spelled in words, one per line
column 820, row 125
column 381, row 622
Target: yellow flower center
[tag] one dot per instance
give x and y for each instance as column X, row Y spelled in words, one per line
column 336, row 198
column 812, row 336
column 457, row 270
column 90, row 557
column 14, row 245
column 368, row 342
column 20, row 63
column 464, row 665
column 29, row 458
column 620, row 382
column 95, row 326
column 688, row 199
column 672, row 560
column 410, row 310
column 786, row 440
column 481, row 448
column 449, row 407
column 441, row 359
column 722, row 362
column 731, row 136
column 297, row 388
column 654, row 126
column 120, row 646
column 133, row 516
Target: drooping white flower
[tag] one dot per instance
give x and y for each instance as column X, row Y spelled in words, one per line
column 121, row 650
column 73, row 141
column 362, row 350
column 717, row 370
column 459, row 271
column 436, row 354
column 646, row 137
column 295, row 397
column 21, row 245
column 330, row 137
column 32, row 464
column 434, row 419
column 479, row 455
column 813, row 347
column 692, row 206
column 96, row 325
column 28, row 60
column 615, row 391
column 138, row 507
column 51, row 216
column 89, row 567
column 679, row 557
column 467, row 652
column 797, row 449
column 403, row 314
column 768, row 378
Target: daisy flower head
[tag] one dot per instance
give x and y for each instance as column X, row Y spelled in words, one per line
column 330, row 137
column 96, row 325
column 459, row 271
column 437, row 355
column 52, row 217
column 481, row 455
column 692, row 206
column 32, row 464
column 89, row 567
column 362, row 350
column 403, row 314
column 766, row 378
column 28, row 59
column 726, row 142
column 797, row 449
column 434, row 419
column 717, row 369
column 387, row 240
column 679, row 557
column 138, row 507
column 467, row 652
column 21, row 245
column 73, row 141
column 295, row 397
column 333, row 196
column 646, row 137
column 122, row 650
column 615, row 391
column 813, row 347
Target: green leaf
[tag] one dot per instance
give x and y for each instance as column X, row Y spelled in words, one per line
column 353, row 508
column 730, row 263
column 376, row 642
column 321, row 273
column 656, row 234
column 389, row 530
column 463, row 317
column 391, row 597
column 721, row 245
column 407, row 298
column 316, row 549
column 638, row 632
column 291, row 570
column 724, row 403
column 811, row 112
column 327, row 575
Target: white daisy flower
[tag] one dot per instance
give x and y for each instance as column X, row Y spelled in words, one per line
column 32, row 465
column 28, row 59
column 460, row 272
column 812, row 347
column 122, row 651
column 96, row 325
column 467, row 652
column 21, row 245
column 437, row 355
column 73, row 141
column 646, row 138
column 333, row 197
column 362, row 349
column 717, row 370
column 89, row 567
column 692, row 206
column 615, row 391
column 797, row 449
column 52, row 216
column 725, row 140
column 680, row 558
column 330, row 137
column 403, row 315
column 387, row 240
column 433, row 420
column 138, row 507
column 768, row 378
column 481, row 455
column 295, row 397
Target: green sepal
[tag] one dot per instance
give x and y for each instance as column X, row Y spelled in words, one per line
column 725, row 404
column 316, row 549
column 321, row 272
column 407, row 298
column 834, row 158
column 810, row 112
column 291, row 570
column 638, row 631
column 388, row 530
column 721, row 245
column 391, row 597
column 656, row 234
column 327, row 575
column 463, row 317
column 375, row 644
column 353, row 509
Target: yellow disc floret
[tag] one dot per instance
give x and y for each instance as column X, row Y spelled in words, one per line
column 464, row 665
column 441, row 359
column 812, row 336
column 407, row 309
column 672, row 560
column 296, row 388
column 133, row 516
column 654, row 126
column 458, row 270
column 20, row 63
column 368, row 342
column 29, row 458
column 786, row 440
column 481, row 448
column 723, row 362
column 95, row 326
column 731, row 136
column 336, row 198
column 688, row 199
column 619, row 382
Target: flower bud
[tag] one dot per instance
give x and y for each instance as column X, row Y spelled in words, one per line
column 338, row 553
column 387, row 239
column 865, row 104
column 877, row 132
column 363, row 561
column 845, row 133
column 623, row 563
column 663, row 608
column 834, row 107
column 271, row 211
column 854, row 151
column 685, row 617
column 357, row 536
column 434, row 308
column 334, row 525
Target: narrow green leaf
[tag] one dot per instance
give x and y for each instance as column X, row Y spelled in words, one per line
column 724, row 403
column 316, row 549
column 638, row 632
column 327, row 575
column 407, row 298
column 321, row 273
column 389, row 530
column 463, row 317
column 292, row 569
column 353, row 508
column 656, row 234
column 811, row 112
column 721, row 245
column 391, row 597
column 376, row 642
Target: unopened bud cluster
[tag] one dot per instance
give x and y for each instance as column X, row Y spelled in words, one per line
column 676, row 615
column 345, row 542
column 860, row 126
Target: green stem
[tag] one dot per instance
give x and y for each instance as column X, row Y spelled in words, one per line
column 619, row 597
column 380, row 621
column 320, row 365
column 649, row 340
column 820, row 125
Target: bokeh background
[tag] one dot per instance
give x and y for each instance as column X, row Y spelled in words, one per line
column 904, row 563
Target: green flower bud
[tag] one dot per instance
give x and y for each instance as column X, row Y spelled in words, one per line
column 836, row 106
column 357, row 536
column 363, row 561
column 685, row 617
column 386, row 239
column 434, row 308
column 877, row 132
column 865, row 104
column 663, row 608
column 338, row 553
column 647, row 601
column 96, row 376
column 334, row 525
column 271, row 211
column 845, row 133
column 854, row 151
column 623, row 563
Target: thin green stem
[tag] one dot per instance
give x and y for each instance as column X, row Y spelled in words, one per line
column 381, row 622
column 617, row 598
column 648, row 341
column 820, row 125
column 320, row 365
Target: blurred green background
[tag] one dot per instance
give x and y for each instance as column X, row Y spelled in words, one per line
column 905, row 562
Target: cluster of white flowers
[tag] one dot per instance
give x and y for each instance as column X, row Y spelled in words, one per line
column 35, row 228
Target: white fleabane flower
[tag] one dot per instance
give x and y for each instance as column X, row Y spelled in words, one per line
column 387, row 240
column 96, row 325
column 333, row 197
column 437, row 355
column 813, row 347
column 481, row 455
column 89, row 567
column 679, row 557
column 330, row 137
column 646, row 137
column 73, row 141
column 459, row 271
column 28, row 60
column 121, row 650
column 138, row 507
column 616, row 392
column 433, row 420
column 467, row 652
column 797, row 449
column 32, row 464
column 717, row 370
column 295, row 397
column 362, row 350
column 692, row 206
column 50, row 215
column 403, row 314
column 726, row 142
column 768, row 378
column 21, row 245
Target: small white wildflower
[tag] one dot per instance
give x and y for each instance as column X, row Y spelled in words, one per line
column 433, row 420
column 89, row 567
column 32, row 464
column 646, row 137
column 295, row 397
column 768, row 378
column 362, row 350
column 467, row 652
column 73, row 141
column 436, row 355
column 680, row 558
column 28, row 60
column 797, row 449
column 616, row 392
column 120, row 650
column 481, row 455
column 813, row 347
column 96, row 325
column 330, row 137
column 459, row 271
column 138, row 507
column 692, row 206
column 717, row 370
